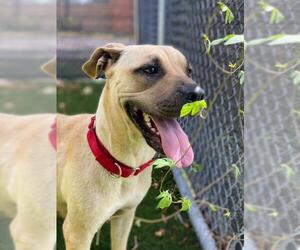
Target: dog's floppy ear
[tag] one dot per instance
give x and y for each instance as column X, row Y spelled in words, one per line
column 101, row 59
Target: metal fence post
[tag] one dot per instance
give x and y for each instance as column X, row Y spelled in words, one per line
column 161, row 22
column 201, row 229
column 136, row 20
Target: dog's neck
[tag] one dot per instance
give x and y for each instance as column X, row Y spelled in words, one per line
column 118, row 134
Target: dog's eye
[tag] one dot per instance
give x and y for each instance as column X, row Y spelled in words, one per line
column 189, row 71
column 150, row 70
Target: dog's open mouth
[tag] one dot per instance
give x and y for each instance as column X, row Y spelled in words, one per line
column 164, row 135
column 147, row 127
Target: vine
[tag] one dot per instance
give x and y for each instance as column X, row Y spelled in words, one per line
column 166, row 197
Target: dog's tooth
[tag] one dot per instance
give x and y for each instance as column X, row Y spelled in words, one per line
column 146, row 117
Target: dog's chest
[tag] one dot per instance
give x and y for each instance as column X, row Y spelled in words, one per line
column 130, row 193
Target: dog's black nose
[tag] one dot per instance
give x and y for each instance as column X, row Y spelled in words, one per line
column 193, row 92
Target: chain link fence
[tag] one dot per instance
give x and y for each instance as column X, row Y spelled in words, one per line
column 148, row 21
column 272, row 131
column 217, row 141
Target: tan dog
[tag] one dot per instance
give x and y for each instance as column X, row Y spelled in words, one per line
column 145, row 85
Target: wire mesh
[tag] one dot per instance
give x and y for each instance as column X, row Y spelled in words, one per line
column 147, row 21
column 272, row 132
column 218, row 140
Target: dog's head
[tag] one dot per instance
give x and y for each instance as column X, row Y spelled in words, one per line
column 151, row 83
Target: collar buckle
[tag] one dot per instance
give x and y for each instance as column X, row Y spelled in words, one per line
column 117, row 176
column 135, row 170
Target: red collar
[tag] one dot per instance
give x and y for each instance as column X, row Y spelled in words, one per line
column 111, row 164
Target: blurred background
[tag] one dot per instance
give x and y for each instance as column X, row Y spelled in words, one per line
column 84, row 25
column 27, row 41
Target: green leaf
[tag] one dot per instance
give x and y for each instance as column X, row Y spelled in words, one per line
column 285, row 39
column 265, row 6
column 217, row 41
column 202, row 104
column 259, row 41
column 207, row 42
column 276, row 16
column 241, row 76
column 232, row 65
column 235, row 39
column 228, row 36
column 237, row 171
column 137, row 223
column 277, row 36
column 193, row 108
column 198, row 106
column 296, row 77
column 241, row 112
column 288, row 169
column 251, row 208
column 196, row 167
column 220, row 40
column 163, row 162
column 185, row 204
column 227, row 213
column 222, row 6
column 165, row 199
column 281, row 65
column 296, row 112
column 229, row 17
column 213, row 208
column 186, row 109
column 273, row 213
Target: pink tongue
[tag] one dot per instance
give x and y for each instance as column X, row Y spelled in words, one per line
column 175, row 142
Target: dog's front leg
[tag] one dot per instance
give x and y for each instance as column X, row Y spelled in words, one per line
column 80, row 227
column 121, row 225
column 30, row 234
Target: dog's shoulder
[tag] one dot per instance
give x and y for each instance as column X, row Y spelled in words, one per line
column 72, row 125
column 72, row 121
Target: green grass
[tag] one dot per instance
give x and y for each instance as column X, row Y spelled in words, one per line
column 28, row 96
column 5, row 238
column 178, row 234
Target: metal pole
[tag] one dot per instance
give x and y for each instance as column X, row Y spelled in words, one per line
column 201, row 229
column 136, row 21
column 249, row 244
column 161, row 22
